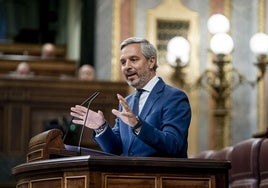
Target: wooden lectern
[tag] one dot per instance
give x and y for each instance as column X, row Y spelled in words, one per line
column 121, row 172
column 49, row 145
column 49, row 166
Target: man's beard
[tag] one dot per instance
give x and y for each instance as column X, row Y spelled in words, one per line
column 133, row 84
column 143, row 79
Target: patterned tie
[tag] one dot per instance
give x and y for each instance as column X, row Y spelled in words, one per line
column 136, row 101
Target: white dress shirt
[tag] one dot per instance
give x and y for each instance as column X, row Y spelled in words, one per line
column 147, row 89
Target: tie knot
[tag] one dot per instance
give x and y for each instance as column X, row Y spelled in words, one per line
column 139, row 92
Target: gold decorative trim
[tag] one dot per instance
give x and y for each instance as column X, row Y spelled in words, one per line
column 74, row 177
column 227, row 128
column 115, row 41
column 261, row 16
column 46, row 179
column 227, row 8
column 21, row 184
column 133, row 17
column 226, row 138
column 178, row 12
column 116, row 175
column 210, row 180
column 36, row 152
column 158, row 179
column 261, row 84
column 107, row 177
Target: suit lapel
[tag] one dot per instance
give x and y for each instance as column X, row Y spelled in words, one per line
column 153, row 97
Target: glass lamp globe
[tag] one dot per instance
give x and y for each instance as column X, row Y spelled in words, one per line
column 178, row 48
column 221, row 43
column 259, row 44
column 218, row 23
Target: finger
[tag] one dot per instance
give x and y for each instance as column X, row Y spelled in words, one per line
column 126, row 114
column 100, row 112
column 126, row 108
column 124, row 103
column 79, row 116
column 79, row 122
column 122, row 114
column 115, row 112
column 79, row 109
column 120, row 97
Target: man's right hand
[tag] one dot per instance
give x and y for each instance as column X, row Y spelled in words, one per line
column 94, row 119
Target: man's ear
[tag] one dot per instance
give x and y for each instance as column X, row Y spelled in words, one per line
column 152, row 62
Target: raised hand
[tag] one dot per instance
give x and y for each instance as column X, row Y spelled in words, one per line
column 127, row 116
column 81, row 114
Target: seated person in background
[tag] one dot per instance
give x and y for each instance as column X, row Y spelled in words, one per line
column 86, row 72
column 23, row 70
column 48, row 51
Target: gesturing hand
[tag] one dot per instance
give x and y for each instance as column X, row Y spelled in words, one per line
column 94, row 119
column 127, row 116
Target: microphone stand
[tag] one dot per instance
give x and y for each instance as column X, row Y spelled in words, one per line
column 92, row 97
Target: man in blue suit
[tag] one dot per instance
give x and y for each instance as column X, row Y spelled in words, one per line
column 159, row 128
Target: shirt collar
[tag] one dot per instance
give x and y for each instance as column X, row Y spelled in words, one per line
column 150, row 85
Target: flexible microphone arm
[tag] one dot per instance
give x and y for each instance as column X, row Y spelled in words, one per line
column 92, row 97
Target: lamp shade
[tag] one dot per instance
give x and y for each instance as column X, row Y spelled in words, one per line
column 218, row 23
column 221, row 43
column 178, row 48
column 259, row 44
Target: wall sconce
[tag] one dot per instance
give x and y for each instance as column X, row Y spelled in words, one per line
column 259, row 46
column 220, row 81
column 178, row 55
column 224, row 78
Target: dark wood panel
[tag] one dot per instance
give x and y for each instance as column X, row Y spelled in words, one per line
column 130, row 181
column 30, row 103
column 23, row 185
column 55, row 67
column 76, row 181
column 47, row 182
column 27, row 105
column 29, row 49
column 189, row 182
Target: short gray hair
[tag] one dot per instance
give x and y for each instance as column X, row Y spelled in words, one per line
column 147, row 49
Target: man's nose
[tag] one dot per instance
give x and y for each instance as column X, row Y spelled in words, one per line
column 128, row 64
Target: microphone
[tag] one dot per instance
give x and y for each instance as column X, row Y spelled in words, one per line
column 92, row 97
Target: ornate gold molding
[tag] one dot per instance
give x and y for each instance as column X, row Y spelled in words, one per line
column 261, row 16
column 174, row 10
column 261, row 85
column 115, row 41
column 227, row 128
column 227, row 8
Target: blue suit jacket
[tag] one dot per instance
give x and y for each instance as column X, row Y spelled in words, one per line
column 165, row 118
